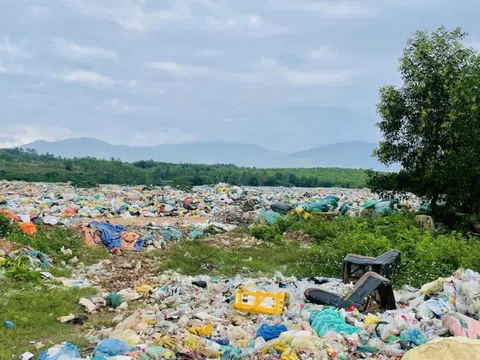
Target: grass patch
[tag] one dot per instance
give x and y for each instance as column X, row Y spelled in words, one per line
column 50, row 240
column 197, row 257
column 425, row 256
column 34, row 311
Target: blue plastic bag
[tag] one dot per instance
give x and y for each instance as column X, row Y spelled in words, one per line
column 270, row 332
column 269, row 217
column 171, row 234
column 111, row 347
column 195, row 234
column 64, row 351
column 414, row 335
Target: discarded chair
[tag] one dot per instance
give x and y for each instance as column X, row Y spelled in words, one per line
column 372, row 292
column 355, row 266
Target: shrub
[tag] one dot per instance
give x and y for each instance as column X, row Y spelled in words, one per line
column 425, row 256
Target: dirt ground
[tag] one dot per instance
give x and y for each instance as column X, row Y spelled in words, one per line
column 9, row 246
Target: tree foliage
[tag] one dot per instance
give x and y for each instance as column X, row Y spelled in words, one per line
column 431, row 124
column 17, row 164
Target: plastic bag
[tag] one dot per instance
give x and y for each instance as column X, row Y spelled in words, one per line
column 65, row 351
column 371, row 320
column 114, row 300
column 270, row 332
column 195, row 234
column 201, row 330
column 414, row 335
column 267, row 217
column 28, row 228
column 157, row 353
column 111, row 347
column 129, row 336
column 330, row 320
column 432, row 287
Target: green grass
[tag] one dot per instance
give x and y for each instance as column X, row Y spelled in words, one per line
column 425, row 256
column 34, row 311
column 50, row 241
column 197, row 257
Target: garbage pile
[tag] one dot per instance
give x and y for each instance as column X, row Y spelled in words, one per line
column 15, row 256
column 58, row 203
column 117, row 238
column 185, row 317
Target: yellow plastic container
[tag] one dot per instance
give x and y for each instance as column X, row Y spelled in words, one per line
column 259, row 302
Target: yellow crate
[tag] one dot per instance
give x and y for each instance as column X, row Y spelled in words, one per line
column 259, row 302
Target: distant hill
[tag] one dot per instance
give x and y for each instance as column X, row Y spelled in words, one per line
column 355, row 154
column 196, row 153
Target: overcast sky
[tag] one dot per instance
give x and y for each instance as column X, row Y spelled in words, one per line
column 285, row 74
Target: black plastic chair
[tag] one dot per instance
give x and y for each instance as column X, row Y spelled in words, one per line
column 371, row 292
column 355, row 266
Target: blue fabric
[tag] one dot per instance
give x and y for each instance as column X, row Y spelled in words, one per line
column 111, row 234
column 66, row 351
column 111, row 347
column 270, row 332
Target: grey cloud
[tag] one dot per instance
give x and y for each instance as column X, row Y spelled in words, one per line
column 286, row 74
column 75, row 51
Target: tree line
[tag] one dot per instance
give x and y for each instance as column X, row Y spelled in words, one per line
column 28, row 165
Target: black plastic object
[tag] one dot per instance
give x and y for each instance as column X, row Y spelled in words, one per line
column 280, row 207
column 371, row 292
column 78, row 320
column 354, row 266
column 200, row 284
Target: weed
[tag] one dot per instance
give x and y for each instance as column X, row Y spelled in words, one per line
column 425, row 256
column 39, row 322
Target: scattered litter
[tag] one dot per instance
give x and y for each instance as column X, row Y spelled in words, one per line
column 27, row 356
column 8, row 324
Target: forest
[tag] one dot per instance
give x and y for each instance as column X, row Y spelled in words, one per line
column 28, row 165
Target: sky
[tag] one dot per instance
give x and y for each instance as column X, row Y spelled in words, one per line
column 285, row 74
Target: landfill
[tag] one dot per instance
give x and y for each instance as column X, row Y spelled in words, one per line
column 173, row 316
column 62, row 203
column 126, row 218
column 204, row 317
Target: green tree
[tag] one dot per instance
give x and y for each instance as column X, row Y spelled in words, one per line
column 431, row 124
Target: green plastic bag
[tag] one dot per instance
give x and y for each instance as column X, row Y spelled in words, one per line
column 330, row 320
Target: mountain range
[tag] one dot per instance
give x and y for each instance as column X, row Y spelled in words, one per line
column 354, row 154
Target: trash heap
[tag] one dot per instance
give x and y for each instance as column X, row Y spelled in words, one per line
column 58, row 203
column 117, row 238
column 204, row 317
column 15, row 257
